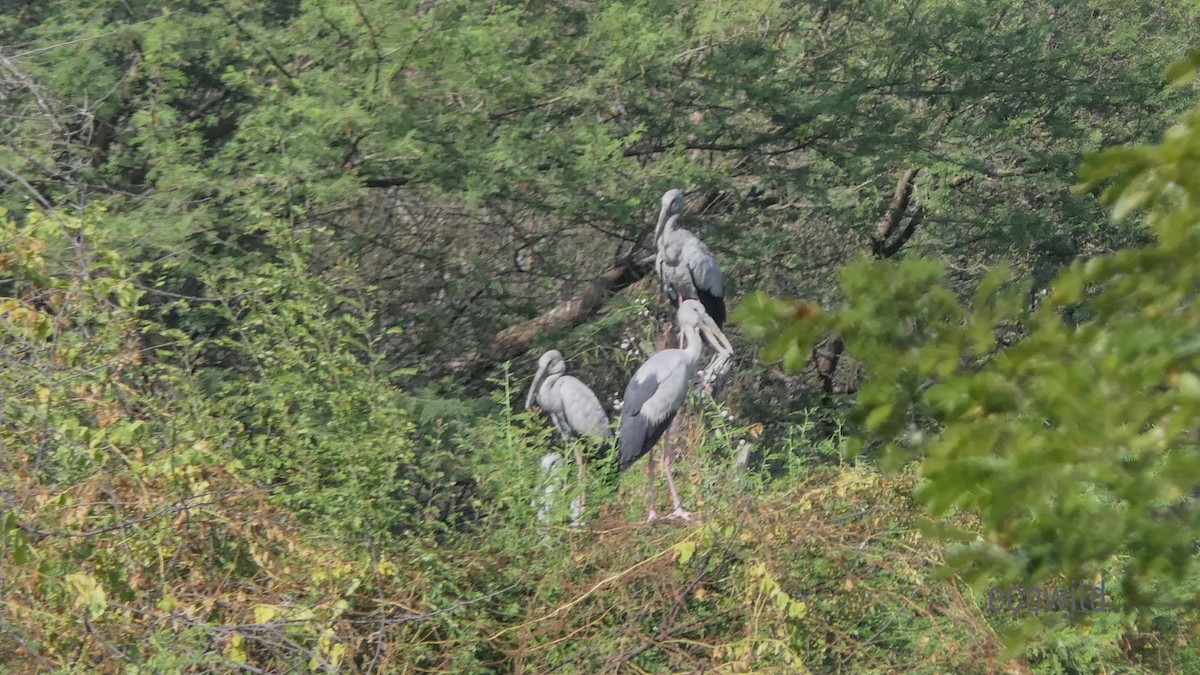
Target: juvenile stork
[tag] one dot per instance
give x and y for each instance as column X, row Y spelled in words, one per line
column 686, row 267
column 572, row 407
column 657, row 392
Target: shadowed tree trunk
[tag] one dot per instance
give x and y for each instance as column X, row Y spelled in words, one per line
column 892, row 233
column 516, row 339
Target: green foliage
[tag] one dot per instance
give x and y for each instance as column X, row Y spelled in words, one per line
column 508, row 448
column 166, row 556
column 70, row 346
column 1074, row 446
column 133, row 510
column 419, row 132
column 214, row 456
column 313, row 414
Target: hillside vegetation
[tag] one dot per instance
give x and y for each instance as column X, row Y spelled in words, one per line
column 275, row 276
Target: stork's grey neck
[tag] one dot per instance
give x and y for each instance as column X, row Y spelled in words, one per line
column 665, row 223
column 691, row 334
column 668, row 226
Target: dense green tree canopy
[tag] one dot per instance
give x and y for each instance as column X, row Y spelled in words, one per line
column 496, row 156
column 1077, row 445
column 273, row 274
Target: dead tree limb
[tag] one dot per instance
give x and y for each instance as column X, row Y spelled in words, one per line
column 587, row 301
column 43, row 101
column 828, row 353
column 890, row 238
column 891, row 234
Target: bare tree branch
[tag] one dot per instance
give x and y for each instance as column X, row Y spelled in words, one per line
column 89, row 38
column 385, row 182
column 38, row 95
column 828, row 353
column 515, row 339
column 880, row 246
column 30, row 188
column 891, row 234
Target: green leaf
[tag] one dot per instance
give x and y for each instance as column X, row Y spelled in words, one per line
column 878, row 416
column 1189, row 386
column 991, row 282
column 795, row 358
column 13, row 538
column 265, row 613
column 1130, row 200
column 89, row 594
column 686, row 549
column 1180, row 73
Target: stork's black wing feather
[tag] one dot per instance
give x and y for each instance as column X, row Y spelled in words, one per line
column 638, row 437
column 638, row 434
column 714, row 305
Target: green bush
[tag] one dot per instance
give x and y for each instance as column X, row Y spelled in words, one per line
column 1073, row 441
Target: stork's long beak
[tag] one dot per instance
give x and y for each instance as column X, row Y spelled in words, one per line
column 713, row 335
column 537, row 381
column 662, row 222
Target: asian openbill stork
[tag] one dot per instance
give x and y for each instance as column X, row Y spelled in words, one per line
column 574, row 410
column 657, row 392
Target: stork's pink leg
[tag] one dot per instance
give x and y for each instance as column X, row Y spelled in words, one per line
column 579, row 474
column 679, row 303
column 650, row 482
column 679, row 512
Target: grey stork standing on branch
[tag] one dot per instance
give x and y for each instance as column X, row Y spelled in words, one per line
column 573, row 409
column 686, row 267
column 657, row 392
